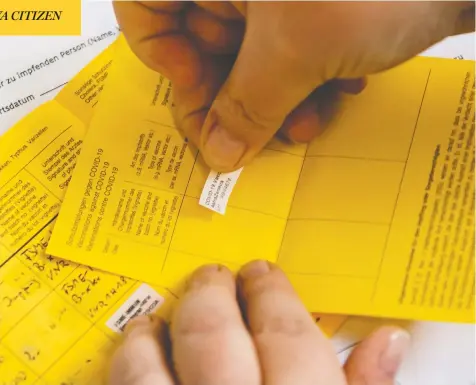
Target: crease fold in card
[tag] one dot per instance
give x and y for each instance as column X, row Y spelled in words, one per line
column 217, row 190
column 377, row 213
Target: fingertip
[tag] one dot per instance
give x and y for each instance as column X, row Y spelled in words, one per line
column 289, row 344
column 254, row 269
column 210, row 270
column 398, row 344
column 208, row 331
column 136, row 322
column 262, row 276
column 377, row 359
column 141, row 323
column 142, row 357
column 222, row 150
column 351, row 86
column 302, row 127
column 305, row 123
column 384, row 335
column 230, row 136
column 210, row 275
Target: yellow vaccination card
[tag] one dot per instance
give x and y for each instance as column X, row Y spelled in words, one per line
column 60, row 320
column 376, row 217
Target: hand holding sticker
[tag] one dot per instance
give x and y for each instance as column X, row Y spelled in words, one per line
column 244, row 71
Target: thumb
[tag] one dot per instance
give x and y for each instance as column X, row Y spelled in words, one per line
column 268, row 81
column 377, row 359
column 143, row 356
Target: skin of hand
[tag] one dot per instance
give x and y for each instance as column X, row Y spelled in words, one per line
column 253, row 330
column 245, row 71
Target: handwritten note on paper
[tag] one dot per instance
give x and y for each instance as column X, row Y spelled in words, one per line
column 53, row 312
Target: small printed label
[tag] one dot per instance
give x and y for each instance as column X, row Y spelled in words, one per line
column 217, row 190
column 145, row 300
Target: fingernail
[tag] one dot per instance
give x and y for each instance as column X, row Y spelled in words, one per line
column 222, row 150
column 207, row 269
column 254, row 269
column 136, row 322
column 196, row 280
column 392, row 357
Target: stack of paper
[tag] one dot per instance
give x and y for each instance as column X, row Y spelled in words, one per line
column 374, row 218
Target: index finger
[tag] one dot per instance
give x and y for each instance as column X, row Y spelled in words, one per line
column 153, row 30
column 290, row 346
column 142, row 358
column 211, row 344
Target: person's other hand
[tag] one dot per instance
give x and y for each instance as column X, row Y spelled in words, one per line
column 254, row 331
column 284, row 51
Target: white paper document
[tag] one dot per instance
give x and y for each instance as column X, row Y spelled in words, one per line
column 33, row 69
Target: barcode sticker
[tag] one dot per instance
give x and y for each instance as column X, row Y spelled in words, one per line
column 217, row 190
column 143, row 301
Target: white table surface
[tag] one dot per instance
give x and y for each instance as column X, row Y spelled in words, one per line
column 441, row 354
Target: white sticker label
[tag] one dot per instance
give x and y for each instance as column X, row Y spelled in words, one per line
column 217, row 190
column 144, row 301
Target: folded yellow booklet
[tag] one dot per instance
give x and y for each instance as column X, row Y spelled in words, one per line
column 59, row 320
column 376, row 217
